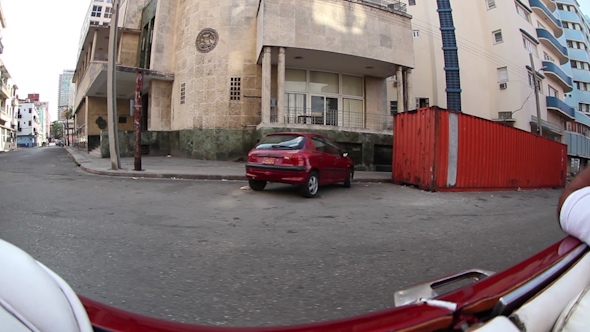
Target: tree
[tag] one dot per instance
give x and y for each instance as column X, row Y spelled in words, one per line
column 57, row 130
column 67, row 114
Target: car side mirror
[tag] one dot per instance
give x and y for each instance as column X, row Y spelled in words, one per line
column 344, row 154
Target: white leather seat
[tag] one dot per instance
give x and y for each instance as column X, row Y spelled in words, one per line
column 34, row 298
column 575, row 317
column 541, row 313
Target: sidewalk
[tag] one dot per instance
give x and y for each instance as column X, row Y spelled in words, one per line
column 184, row 168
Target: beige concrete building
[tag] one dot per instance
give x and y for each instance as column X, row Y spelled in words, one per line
column 220, row 74
column 493, row 43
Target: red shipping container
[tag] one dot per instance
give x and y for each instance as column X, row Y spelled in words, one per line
column 442, row 150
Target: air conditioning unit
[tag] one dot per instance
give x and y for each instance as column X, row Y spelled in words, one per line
column 503, row 86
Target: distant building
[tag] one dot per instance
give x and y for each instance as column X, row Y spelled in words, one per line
column 63, row 95
column 29, row 124
column 8, row 101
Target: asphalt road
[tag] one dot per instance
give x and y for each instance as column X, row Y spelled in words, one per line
column 209, row 252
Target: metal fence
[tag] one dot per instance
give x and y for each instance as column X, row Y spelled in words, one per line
column 337, row 118
column 391, row 5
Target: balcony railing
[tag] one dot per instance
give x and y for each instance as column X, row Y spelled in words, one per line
column 559, row 75
column 390, row 5
column 337, row 118
column 558, row 105
column 555, row 128
column 540, row 9
column 550, row 41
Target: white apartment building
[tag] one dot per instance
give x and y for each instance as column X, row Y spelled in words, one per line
column 490, row 51
column 29, row 125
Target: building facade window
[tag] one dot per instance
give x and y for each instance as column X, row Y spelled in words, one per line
column 584, row 107
column 529, row 45
column 235, row 88
column 548, row 57
column 96, row 11
column 315, row 97
column 412, row 2
column 491, row 4
column 416, row 33
column 497, row 35
column 582, row 85
column 108, row 12
column 580, row 65
column 552, row 92
column 522, row 12
column 182, row 93
column 503, row 74
column 532, row 82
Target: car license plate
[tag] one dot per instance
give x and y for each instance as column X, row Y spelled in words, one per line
column 268, row 160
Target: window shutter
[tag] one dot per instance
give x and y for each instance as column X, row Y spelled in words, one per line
column 491, row 4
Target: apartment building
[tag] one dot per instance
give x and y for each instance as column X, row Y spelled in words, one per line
column 63, row 93
column 29, row 124
column 493, row 41
column 217, row 76
column 8, row 101
column 576, row 37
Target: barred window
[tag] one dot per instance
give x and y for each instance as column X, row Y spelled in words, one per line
column 235, row 88
column 182, row 93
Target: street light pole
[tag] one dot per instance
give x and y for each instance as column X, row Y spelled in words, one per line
column 112, row 91
column 539, row 123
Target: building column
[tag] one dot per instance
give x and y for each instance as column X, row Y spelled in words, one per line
column 400, row 89
column 281, row 86
column 94, row 41
column 266, row 84
column 410, row 102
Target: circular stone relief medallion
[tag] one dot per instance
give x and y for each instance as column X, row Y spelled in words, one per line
column 207, row 40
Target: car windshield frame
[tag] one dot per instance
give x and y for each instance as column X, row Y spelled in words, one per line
column 282, row 142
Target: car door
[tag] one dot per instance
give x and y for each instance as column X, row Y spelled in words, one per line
column 325, row 161
column 339, row 166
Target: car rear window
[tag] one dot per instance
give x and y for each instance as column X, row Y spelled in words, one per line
column 282, row 142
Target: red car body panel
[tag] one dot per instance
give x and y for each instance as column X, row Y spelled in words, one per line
column 331, row 168
column 483, row 295
column 411, row 318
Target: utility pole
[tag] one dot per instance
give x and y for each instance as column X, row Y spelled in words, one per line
column 113, row 129
column 539, row 121
column 137, row 120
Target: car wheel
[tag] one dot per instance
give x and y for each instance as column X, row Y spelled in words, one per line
column 311, row 186
column 257, row 185
column 348, row 181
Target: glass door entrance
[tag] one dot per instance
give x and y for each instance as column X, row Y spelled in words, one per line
column 324, row 110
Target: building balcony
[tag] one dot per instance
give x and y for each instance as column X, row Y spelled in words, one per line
column 574, row 35
column 569, row 16
column 554, row 72
column 581, row 75
column 549, row 41
column 389, row 5
column 560, row 108
column 344, row 38
column 577, row 145
column 576, row 54
column 337, row 118
column 5, row 118
column 547, row 16
column 553, row 128
column 4, row 90
column 550, row 4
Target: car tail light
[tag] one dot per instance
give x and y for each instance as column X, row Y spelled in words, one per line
column 298, row 159
column 251, row 158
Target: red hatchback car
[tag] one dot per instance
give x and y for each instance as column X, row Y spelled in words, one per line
column 304, row 159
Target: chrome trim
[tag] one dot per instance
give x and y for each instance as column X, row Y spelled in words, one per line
column 509, row 302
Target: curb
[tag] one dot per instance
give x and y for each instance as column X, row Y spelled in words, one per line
column 137, row 174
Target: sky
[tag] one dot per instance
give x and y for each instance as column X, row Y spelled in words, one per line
column 41, row 41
